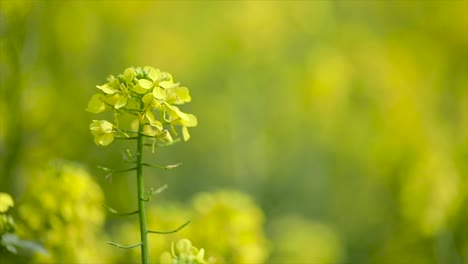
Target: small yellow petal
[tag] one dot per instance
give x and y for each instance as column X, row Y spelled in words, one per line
column 129, row 74
column 159, row 93
column 154, row 74
column 121, row 102
column 152, row 120
column 143, row 86
column 96, row 104
column 185, row 133
column 145, row 83
column 168, row 84
column 106, row 139
column 107, row 89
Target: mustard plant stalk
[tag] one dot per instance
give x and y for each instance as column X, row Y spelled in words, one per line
column 153, row 97
column 141, row 193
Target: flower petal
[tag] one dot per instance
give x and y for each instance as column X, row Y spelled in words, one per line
column 168, row 84
column 178, row 95
column 185, row 133
column 177, row 117
column 143, row 86
column 106, row 139
column 154, row 74
column 153, row 122
column 129, row 74
column 148, row 130
column 96, row 104
column 106, row 126
column 147, row 99
column 159, row 93
column 165, row 136
column 107, row 89
column 121, row 102
column 101, row 126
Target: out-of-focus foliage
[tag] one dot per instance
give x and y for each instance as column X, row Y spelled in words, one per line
column 62, row 207
column 351, row 115
column 297, row 240
column 228, row 224
column 10, row 243
column 7, row 224
column 184, row 253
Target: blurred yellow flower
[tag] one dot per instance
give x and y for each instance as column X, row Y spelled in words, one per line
column 62, row 207
column 5, row 202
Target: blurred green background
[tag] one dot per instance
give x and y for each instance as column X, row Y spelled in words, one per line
column 343, row 123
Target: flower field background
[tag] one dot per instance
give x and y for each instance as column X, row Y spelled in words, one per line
column 328, row 131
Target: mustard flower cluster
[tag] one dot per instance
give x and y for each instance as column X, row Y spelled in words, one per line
column 184, row 253
column 63, row 209
column 228, row 223
column 151, row 96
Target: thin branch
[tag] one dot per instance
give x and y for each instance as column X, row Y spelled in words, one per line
column 148, row 136
column 124, row 247
column 167, row 167
column 124, row 138
column 113, row 211
column 129, row 131
column 111, row 172
column 125, row 170
column 169, row 232
column 153, row 192
column 116, row 171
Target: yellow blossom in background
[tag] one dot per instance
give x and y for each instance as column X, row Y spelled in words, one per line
column 184, row 253
column 5, row 202
column 62, row 208
column 226, row 223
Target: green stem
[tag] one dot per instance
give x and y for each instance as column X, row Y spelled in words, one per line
column 141, row 202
